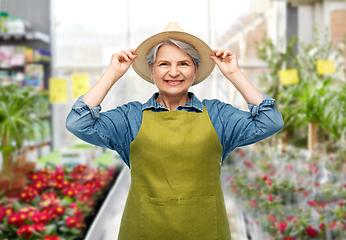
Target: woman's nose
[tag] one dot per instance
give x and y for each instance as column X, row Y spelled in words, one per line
column 173, row 71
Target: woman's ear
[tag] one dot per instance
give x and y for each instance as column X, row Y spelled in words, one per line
column 196, row 68
column 151, row 73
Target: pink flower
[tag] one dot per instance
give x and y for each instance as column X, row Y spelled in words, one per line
column 269, row 183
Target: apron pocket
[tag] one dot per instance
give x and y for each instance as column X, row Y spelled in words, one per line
column 171, row 218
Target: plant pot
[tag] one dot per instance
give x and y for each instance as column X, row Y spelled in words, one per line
column 24, row 169
column 13, row 186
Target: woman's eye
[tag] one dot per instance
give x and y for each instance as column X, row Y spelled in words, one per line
column 163, row 64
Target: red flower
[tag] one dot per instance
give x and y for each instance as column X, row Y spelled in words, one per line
column 311, row 232
column 13, row 218
column 40, row 218
column 313, row 204
column 25, row 231
column 265, row 177
column 341, row 204
column 28, row 194
column 269, row 183
column 272, row 218
column 73, row 222
column 59, row 176
column 322, row 204
column 290, row 167
column 333, row 225
column 79, row 168
column 270, row 197
column 47, row 210
column 291, row 219
column 288, row 238
column 253, row 203
column 59, row 210
column 70, row 192
column 248, row 164
column 281, row 226
column 51, row 238
column 35, row 177
column 38, row 228
column 321, row 226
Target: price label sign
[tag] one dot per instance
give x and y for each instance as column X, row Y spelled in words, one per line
column 325, row 67
column 80, row 84
column 288, row 77
column 58, row 90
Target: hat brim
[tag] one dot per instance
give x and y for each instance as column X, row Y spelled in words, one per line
column 204, row 69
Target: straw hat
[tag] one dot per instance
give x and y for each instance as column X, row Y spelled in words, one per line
column 173, row 31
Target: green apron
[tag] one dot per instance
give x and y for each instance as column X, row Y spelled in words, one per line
column 175, row 190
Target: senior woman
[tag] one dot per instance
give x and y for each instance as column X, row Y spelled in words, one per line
column 174, row 144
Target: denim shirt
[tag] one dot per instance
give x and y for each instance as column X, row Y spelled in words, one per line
column 117, row 128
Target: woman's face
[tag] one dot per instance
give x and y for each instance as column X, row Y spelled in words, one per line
column 173, row 71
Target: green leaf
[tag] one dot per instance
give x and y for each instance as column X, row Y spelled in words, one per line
column 50, row 229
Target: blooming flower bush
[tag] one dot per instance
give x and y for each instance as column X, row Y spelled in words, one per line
column 54, row 203
column 289, row 195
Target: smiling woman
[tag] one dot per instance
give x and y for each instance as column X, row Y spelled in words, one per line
column 173, row 72
column 174, row 143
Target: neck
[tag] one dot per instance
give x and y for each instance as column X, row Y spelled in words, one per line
column 172, row 102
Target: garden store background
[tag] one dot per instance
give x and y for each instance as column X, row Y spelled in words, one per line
column 293, row 50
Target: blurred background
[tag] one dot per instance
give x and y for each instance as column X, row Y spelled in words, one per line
column 292, row 50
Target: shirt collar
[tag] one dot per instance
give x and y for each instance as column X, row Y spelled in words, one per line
column 193, row 103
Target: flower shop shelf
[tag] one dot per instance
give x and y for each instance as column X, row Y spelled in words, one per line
column 25, row 36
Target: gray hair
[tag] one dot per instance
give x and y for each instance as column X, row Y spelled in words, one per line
column 185, row 47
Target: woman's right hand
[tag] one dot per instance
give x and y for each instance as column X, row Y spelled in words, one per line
column 121, row 61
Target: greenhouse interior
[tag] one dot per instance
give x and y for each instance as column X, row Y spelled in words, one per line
column 274, row 97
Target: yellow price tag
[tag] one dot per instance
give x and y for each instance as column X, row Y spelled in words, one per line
column 80, row 84
column 288, row 77
column 58, row 90
column 29, row 55
column 325, row 67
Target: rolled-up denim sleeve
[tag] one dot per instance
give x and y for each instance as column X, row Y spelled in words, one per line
column 237, row 128
column 108, row 129
column 85, row 123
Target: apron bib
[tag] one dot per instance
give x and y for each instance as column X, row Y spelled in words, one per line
column 175, row 190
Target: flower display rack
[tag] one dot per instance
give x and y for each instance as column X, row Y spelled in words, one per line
column 57, row 203
column 287, row 195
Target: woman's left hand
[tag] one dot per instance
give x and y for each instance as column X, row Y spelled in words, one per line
column 226, row 60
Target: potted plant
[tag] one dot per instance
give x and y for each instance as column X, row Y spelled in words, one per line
column 306, row 104
column 17, row 105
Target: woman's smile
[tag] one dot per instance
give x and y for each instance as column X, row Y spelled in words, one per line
column 174, row 82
